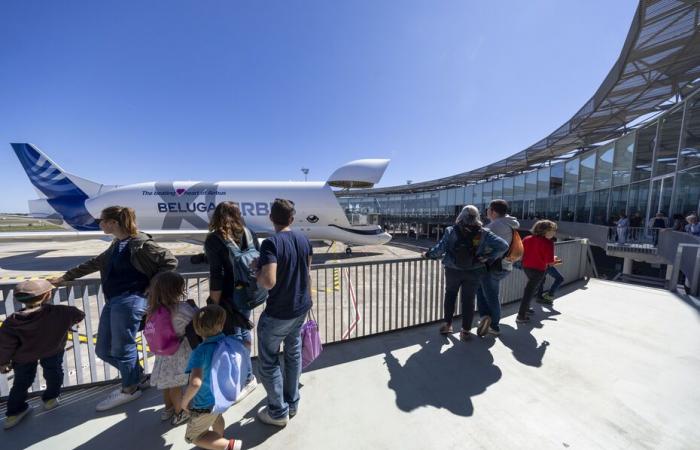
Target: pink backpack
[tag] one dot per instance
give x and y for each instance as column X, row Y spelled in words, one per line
column 160, row 334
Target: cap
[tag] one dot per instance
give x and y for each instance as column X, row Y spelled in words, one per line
column 29, row 290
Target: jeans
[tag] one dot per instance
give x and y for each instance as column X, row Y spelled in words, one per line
column 534, row 279
column 487, row 301
column 282, row 390
column 558, row 280
column 466, row 282
column 24, row 377
column 246, row 336
column 116, row 336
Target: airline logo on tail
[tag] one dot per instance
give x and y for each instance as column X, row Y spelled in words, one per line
column 61, row 192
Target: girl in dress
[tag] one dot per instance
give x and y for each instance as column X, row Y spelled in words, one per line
column 169, row 290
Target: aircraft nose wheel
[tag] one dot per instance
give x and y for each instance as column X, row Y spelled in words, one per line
column 348, row 251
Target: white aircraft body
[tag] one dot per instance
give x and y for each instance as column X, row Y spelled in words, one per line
column 182, row 209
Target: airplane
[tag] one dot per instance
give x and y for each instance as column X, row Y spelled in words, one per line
column 177, row 210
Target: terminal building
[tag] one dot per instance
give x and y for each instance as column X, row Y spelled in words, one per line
column 632, row 149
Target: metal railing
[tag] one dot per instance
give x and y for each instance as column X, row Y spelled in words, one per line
column 634, row 238
column 693, row 278
column 351, row 300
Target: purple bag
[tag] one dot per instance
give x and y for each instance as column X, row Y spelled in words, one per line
column 310, row 341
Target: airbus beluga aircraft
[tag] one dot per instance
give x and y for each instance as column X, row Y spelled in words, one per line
column 181, row 209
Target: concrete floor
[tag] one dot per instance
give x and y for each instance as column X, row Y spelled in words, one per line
column 611, row 366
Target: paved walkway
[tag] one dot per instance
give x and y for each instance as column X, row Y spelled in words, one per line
column 612, row 366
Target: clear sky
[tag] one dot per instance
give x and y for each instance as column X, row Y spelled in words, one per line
column 128, row 91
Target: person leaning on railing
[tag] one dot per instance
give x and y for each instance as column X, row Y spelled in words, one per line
column 126, row 269
column 693, row 226
column 538, row 256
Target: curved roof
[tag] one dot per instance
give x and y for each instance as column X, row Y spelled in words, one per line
column 660, row 59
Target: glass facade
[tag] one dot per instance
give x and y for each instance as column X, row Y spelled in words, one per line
column 631, row 175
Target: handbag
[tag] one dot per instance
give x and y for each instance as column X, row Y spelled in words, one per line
column 310, row 340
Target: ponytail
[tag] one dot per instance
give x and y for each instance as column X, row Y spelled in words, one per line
column 124, row 216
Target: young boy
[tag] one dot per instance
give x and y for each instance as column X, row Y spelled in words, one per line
column 38, row 333
column 208, row 323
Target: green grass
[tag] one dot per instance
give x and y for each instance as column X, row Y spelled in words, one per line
column 42, row 227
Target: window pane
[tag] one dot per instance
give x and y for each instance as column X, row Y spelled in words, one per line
column 516, row 209
column 571, row 177
column 497, row 189
column 541, row 206
column 519, row 187
column 661, row 196
column 469, row 195
column 690, row 153
column 543, row 183
column 556, row 179
column 554, row 207
column 618, row 202
column 583, row 207
column 638, row 200
column 600, row 207
column 478, row 189
column 644, row 150
column 667, row 151
column 568, row 208
column 688, row 192
column 530, row 185
column 486, row 196
column 508, row 189
column 603, row 167
column 586, row 172
column 622, row 165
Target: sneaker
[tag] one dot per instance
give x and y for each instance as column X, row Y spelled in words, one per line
column 11, row 421
column 264, row 417
column 484, row 326
column 250, row 387
column 546, row 300
column 446, row 328
column 530, row 311
column 179, row 419
column 465, row 336
column 519, row 319
column 494, row 332
column 234, row 444
column 167, row 414
column 117, row 398
column 145, row 382
column 50, row 404
column 548, row 296
column 292, row 413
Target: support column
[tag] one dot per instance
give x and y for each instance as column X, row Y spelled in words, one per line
column 627, row 266
column 669, row 272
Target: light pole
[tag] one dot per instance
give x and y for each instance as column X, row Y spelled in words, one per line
column 305, row 171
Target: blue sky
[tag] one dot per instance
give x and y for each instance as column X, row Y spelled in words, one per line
column 130, row 91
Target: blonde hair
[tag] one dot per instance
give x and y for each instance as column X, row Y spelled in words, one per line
column 542, row 227
column 227, row 222
column 167, row 289
column 124, row 216
column 209, row 321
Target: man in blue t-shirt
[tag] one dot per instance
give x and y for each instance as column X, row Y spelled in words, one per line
column 283, row 269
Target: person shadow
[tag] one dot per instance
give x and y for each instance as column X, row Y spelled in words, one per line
column 524, row 346
column 443, row 379
column 249, row 429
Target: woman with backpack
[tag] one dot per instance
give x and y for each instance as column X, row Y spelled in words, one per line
column 167, row 318
column 126, row 269
column 228, row 233
column 466, row 248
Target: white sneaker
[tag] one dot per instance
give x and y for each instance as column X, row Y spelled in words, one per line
column 117, row 398
column 264, row 417
column 250, row 387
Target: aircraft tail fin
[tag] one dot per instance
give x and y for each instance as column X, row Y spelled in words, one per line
column 64, row 192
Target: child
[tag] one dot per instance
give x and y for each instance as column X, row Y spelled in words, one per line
column 209, row 324
column 37, row 333
column 537, row 257
column 168, row 290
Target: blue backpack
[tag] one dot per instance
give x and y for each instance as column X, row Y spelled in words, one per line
column 247, row 294
column 230, row 365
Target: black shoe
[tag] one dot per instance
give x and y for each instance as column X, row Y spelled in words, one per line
column 530, row 311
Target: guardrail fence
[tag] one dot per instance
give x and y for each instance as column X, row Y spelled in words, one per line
column 351, row 300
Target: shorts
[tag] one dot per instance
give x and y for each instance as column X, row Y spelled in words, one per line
column 199, row 423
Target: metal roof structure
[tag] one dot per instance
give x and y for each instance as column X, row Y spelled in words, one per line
column 660, row 60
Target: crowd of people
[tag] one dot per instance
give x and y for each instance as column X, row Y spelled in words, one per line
column 143, row 291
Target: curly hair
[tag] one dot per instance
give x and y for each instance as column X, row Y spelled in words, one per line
column 542, row 227
column 227, row 222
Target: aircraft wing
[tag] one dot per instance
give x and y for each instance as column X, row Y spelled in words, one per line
column 70, row 236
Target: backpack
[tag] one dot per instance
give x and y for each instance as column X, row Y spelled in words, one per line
column 246, row 294
column 516, row 249
column 190, row 334
column 465, row 249
column 160, row 334
column 230, row 365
